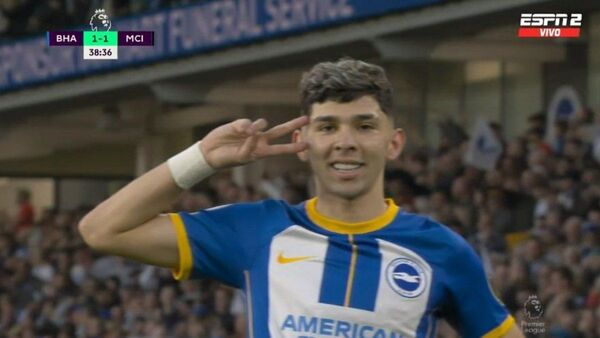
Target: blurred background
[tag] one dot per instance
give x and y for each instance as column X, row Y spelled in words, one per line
column 503, row 146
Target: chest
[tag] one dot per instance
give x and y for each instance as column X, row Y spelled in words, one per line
column 349, row 282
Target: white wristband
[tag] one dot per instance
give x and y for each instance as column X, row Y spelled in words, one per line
column 189, row 167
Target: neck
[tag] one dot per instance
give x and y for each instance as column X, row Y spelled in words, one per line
column 352, row 210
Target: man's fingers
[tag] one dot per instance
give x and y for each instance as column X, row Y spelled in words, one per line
column 258, row 125
column 248, row 127
column 287, row 127
column 288, row 148
column 241, row 125
column 248, row 146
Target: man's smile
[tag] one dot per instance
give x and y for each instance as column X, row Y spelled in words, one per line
column 347, row 169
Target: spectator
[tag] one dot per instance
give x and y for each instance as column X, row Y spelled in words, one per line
column 26, row 214
column 487, row 240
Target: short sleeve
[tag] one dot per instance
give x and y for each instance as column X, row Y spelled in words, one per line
column 220, row 243
column 473, row 310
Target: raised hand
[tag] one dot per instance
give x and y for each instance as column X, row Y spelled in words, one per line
column 243, row 141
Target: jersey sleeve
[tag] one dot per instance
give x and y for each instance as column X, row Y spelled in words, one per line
column 473, row 310
column 221, row 242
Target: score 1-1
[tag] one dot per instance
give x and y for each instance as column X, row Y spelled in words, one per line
column 100, row 45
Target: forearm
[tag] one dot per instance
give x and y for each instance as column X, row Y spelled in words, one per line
column 129, row 223
column 138, row 202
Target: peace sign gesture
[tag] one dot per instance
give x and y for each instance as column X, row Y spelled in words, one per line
column 243, row 141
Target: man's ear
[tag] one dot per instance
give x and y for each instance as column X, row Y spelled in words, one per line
column 396, row 144
column 297, row 137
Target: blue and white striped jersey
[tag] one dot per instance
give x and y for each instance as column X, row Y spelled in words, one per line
column 309, row 276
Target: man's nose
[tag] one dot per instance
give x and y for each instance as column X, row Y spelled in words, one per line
column 345, row 139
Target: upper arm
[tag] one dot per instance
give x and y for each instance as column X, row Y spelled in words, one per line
column 222, row 242
column 474, row 309
column 154, row 242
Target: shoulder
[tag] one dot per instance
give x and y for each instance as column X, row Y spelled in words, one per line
column 429, row 235
column 426, row 227
column 242, row 213
column 458, row 247
column 459, row 255
column 249, row 223
column 248, row 208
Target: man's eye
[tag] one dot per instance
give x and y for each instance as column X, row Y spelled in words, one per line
column 326, row 127
column 367, row 126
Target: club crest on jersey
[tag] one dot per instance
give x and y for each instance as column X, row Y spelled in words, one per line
column 406, row 277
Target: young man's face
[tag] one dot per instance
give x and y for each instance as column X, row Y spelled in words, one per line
column 349, row 144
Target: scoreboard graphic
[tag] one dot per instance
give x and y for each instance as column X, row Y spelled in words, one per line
column 100, row 43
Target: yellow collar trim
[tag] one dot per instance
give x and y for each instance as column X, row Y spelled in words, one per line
column 341, row 227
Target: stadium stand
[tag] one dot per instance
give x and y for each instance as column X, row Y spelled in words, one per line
column 534, row 223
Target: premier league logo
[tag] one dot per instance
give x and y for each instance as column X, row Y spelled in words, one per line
column 406, row 277
column 533, row 307
column 100, row 21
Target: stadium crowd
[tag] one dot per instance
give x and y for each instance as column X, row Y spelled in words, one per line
column 534, row 221
column 19, row 18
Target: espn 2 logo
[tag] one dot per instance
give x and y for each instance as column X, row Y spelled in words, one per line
column 549, row 25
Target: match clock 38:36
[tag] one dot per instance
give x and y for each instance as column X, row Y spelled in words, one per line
column 100, row 52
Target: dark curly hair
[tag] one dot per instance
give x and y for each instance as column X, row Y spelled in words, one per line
column 343, row 81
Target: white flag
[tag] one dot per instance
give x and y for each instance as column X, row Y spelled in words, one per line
column 484, row 147
column 564, row 106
